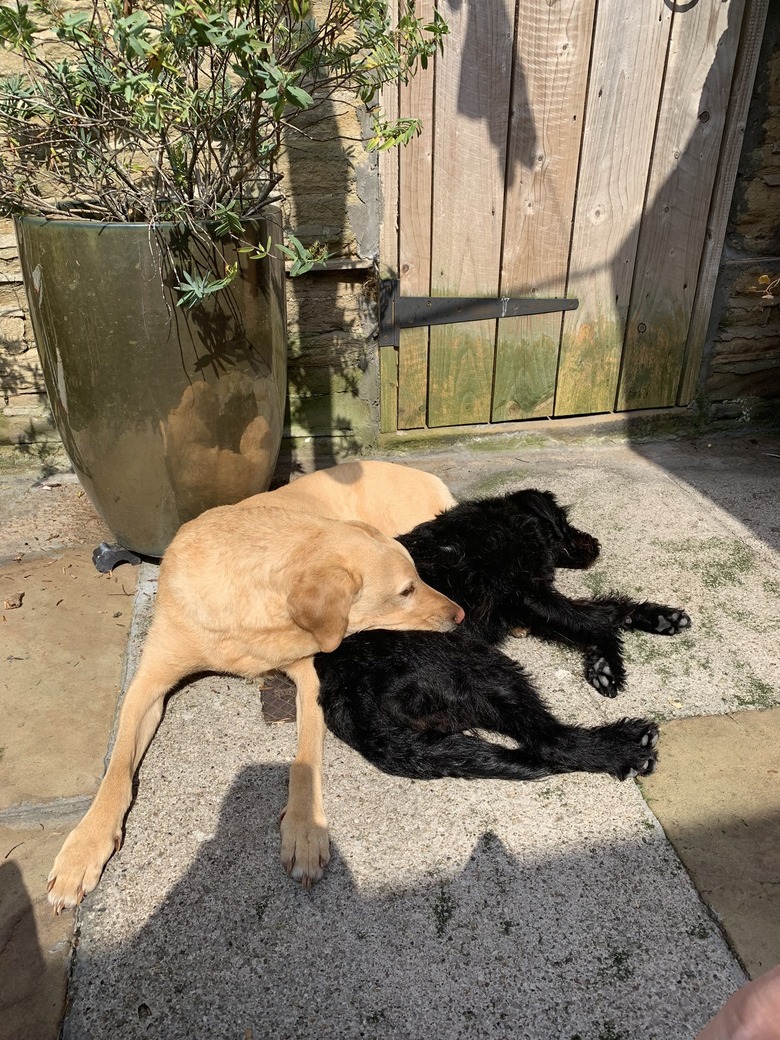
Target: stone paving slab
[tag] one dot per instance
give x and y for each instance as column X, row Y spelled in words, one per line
column 61, row 653
column 35, row 945
column 718, row 799
column 62, row 645
column 41, row 514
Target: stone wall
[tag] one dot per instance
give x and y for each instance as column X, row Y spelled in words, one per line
column 743, row 358
column 25, row 421
column 333, row 197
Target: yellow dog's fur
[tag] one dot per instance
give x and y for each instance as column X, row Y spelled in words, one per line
column 391, row 497
column 258, row 586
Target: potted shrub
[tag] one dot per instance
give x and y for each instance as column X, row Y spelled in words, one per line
column 139, row 155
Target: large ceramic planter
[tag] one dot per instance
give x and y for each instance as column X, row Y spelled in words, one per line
column 164, row 411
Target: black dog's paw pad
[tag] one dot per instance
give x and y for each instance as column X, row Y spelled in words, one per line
column 636, row 754
column 602, row 678
column 658, row 619
column 671, row 623
column 645, row 769
column 650, row 738
column 679, row 620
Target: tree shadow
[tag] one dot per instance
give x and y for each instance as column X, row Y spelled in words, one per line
column 477, row 76
column 30, row 440
column 332, row 199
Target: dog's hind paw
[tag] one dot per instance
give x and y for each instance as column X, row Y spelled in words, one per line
column 658, row 619
column 603, row 677
column 635, row 754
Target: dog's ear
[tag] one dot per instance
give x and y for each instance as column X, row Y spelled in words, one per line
column 544, row 506
column 320, row 601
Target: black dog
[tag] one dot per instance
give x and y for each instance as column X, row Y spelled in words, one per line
column 405, row 700
column 497, row 558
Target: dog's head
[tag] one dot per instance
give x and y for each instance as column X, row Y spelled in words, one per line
column 360, row 579
column 573, row 548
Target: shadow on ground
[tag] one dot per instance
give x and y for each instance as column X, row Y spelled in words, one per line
column 739, row 474
column 498, row 946
column 32, row 987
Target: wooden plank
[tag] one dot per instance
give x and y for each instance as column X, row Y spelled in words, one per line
column 692, row 116
column 629, row 50
column 416, row 186
column 388, row 254
column 472, row 108
column 526, row 366
column 741, row 93
column 413, row 379
column 388, row 384
column 552, row 55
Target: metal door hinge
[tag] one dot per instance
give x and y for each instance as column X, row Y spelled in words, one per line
column 398, row 312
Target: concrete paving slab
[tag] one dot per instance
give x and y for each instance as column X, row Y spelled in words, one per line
column 451, row 909
column 717, row 798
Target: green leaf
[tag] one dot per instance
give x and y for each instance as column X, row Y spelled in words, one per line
column 17, row 30
column 259, row 252
column 299, row 97
column 195, row 288
column 389, row 135
column 228, row 220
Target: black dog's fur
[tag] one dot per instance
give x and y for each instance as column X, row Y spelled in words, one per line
column 405, row 700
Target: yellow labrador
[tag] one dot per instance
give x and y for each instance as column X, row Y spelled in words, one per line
column 389, row 496
column 393, row 498
column 246, row 589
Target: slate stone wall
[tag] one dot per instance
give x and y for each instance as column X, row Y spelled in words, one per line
column 743, row 359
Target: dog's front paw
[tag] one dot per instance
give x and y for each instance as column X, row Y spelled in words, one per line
column 305, row 847
column 635, row 752
column 658, row 619
column 606, row 678
column 78, row 866
column 580, row 550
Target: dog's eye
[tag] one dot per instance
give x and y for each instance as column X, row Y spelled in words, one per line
column 408, row 590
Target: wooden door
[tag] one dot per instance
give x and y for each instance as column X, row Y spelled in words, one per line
column 569, row 149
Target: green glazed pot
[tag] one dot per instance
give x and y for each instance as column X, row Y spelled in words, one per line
column 164, row 411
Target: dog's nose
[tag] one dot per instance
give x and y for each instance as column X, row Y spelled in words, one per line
column 459, row 615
